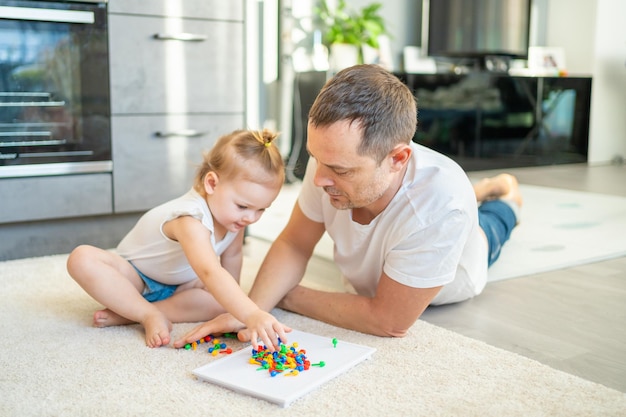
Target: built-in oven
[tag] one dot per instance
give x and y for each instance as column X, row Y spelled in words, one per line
column 54, row 88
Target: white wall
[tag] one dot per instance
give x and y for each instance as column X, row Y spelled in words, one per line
column 607, row 136
column 570, row 24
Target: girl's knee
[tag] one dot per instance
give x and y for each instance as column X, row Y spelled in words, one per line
column 82, row 256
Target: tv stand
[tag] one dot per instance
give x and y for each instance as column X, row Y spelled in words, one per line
column 483, row 120
column 491, row 120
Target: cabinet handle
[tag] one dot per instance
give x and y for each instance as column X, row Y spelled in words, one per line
column 180, row 37
column 187, row 133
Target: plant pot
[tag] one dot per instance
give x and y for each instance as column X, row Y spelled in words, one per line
column 343, row 55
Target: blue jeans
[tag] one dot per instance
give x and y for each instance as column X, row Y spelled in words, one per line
column 497, row 219
column 155, row 291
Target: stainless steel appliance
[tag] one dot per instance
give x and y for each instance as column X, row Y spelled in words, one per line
column 54, row 88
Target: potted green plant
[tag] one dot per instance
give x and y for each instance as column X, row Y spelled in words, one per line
column 345, row 26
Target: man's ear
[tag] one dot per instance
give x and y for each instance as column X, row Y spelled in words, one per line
column 400, row 156
column 210, row 182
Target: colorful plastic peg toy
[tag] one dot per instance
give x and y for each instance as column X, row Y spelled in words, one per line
column 288, row 360
column 218, row 347
column 194, row 345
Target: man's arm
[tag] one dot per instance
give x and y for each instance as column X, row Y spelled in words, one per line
column 391, row 312
column 286, row 261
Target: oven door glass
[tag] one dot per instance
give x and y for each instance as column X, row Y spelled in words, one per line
column 54, row 85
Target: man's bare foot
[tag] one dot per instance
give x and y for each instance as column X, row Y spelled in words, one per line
column 503, row 186
column 157, row 329
column 106, row 318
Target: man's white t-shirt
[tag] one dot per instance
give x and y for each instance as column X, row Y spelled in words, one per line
column 427, row 236
column 159, row 257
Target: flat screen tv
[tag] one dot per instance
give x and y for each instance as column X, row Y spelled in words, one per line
column 476, row 28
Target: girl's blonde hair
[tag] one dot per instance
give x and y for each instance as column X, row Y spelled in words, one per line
column 240, row 154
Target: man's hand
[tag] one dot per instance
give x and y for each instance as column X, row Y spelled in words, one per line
column 224, row 323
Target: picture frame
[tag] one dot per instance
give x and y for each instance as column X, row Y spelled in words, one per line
column 546, row 60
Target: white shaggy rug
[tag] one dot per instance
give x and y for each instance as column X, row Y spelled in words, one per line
column 55, row 364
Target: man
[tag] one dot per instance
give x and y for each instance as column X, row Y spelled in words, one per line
column 404, row 220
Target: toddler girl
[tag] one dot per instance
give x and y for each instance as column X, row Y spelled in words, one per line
column 182, row 260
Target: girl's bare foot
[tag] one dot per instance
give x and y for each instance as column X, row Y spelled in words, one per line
column 157, row 329
column 106, row 318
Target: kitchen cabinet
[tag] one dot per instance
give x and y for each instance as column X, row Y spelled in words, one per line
column 55, row 147
column 177, row 76
column 54, row 197
column 177, row 83
column 149, row 169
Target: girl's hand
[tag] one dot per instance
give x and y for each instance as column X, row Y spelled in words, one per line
column 264, row 326
column 224, row 323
